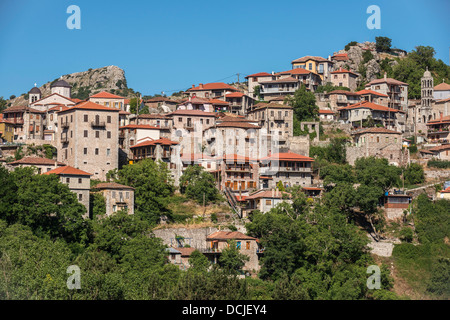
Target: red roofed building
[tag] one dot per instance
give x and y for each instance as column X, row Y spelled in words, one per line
column 78, row 181
column 254, row 81
column 377, row 142
column 130, row 134
column 220, row 240
column 238, row 173
column 397, row 91
column 441, row 91
column 42, row 164
column 358, row 113
column 288, row 167
column 327, row 115
column 439, row 130
column 375, row 97
column 118, row 197
column 344, row 78
column 88, row 138
column 340, row 98
column 264, row 200
column 340, row 57
column 211, row 90
column 239, row 102
column 108, row 100
column 159, row 149
column 318, row 65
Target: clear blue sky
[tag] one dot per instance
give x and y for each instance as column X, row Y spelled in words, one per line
column 170, row 45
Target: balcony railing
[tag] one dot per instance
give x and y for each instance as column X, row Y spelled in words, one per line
column 64, row 125
column 98, row 124
column 65, row 140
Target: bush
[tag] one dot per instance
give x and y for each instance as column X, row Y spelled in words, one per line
column 440, row 164
column 406, row 234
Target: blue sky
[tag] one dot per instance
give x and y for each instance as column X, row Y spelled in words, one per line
column 170, row 45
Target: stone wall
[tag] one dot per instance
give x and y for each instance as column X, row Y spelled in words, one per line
column 196, row 238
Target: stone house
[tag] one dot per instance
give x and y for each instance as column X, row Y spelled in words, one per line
column 218, row 241
column 254, row 81
column 439, row 130
column 78, row 181
column 397, row 91
column 239, row 102
column 41, row 164
column 441, row 91
column 89, row 138
column 277, row 119
column 263, row 200
column 441, row 152
column 6, row 130
column 318, row 65
column 373, row 96
column 344, row 78
column 117, row 196
column 239, row 173
column 161, row 102
column 108, row 100
column 28, row 123
column 211, row 90
column 327, row 115
column 379, row 143
column 132, row 134
column 308, row 78
column 288, row 167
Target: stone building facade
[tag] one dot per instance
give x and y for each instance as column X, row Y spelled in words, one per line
column 117, row 196
column 89, row 138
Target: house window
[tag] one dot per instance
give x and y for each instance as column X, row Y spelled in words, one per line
column 238, row 245
column 113, row 194
column 108, row 152
column 180, row 119
column 85, row 150
column 67, row 180
column 97, row 134
column 86, row 118
column 85, row 133
column 80, row 197
column 268, row 202
column 108, row 134
column 247, row 245
column 96, row 151
column 108, row 119
column 80, row 180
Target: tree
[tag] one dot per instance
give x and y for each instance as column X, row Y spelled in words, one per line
column 414, row 174
column 198, row 262
column 153, row 187
column 304, row 104
column 231, row 260
column 47, row 206
column 383, row 44
column 198, row 184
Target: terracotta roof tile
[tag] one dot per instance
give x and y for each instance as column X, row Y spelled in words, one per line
column 68, row 170
column 162, row 141
column 228, row 235
column 36, row 161
column 112, row 185
column 214, row 86
column 287, row 156
column 375, row 130
column 106, row 95
column 363, row 92
column 259, row 74
column 442, row 87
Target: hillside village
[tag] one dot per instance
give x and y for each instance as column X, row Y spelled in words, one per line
column 252, row 139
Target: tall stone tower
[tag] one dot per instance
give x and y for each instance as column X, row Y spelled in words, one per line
column 426, row 84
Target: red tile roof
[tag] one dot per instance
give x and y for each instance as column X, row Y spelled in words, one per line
column 36, row 161
column 259, row 74
column 88, row 105
column 228, row 235
column 445, row 119
column 363, row 92
column 446, row 190
column 112, row 185
column 369, row 105
column 235, row 95
column 295, row 71
column 342, row 70
column 185, row 252
column 235, row 157
column 325, row 111
column 68, row 170
column 106, row 95
column 56, row 94
column 386, row 80
column 237, row 124
column 442, row 87
column 340, row 57
column 139, row 126
column 192, row 113
column 347, row 93
column 162, row 141
column 375, row 130
column 440, row 148
column 281, row 80
column 266, row 194
column 314, row 58
column 443, row 100
column 218, row 102
column 214, row 86
column 287, row 156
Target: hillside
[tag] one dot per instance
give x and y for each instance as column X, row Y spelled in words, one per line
column 86, row 83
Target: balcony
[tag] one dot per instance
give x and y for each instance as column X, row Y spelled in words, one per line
column 64, row 125
column 65, row 140
column 98, row 124
column 189, row 126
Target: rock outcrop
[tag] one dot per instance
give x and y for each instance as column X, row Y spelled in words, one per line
column 86, row 83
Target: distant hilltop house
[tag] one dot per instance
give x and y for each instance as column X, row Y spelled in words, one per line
column 318, row 65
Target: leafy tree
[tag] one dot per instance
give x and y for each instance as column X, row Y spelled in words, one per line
column 377, row 172
column 231, row 260
column 3, row 104
column 328, row 87
column 383, row 44
column 153, row 187
column 97, row 205
column 304, row 104
column 350, row 44
column 198, row 184
column 414, row 174
column 198, row 262
column 46, row 205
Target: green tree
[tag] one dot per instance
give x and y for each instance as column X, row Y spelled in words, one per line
column 153, row 187
column 383, row 44
column 414, row 174
column 198, row 184
column 198, row 262
column 231, row 260
column 304, row 104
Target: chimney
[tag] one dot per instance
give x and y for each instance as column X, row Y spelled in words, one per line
column 273, row 72
column 193, row 86
column 201, row 85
